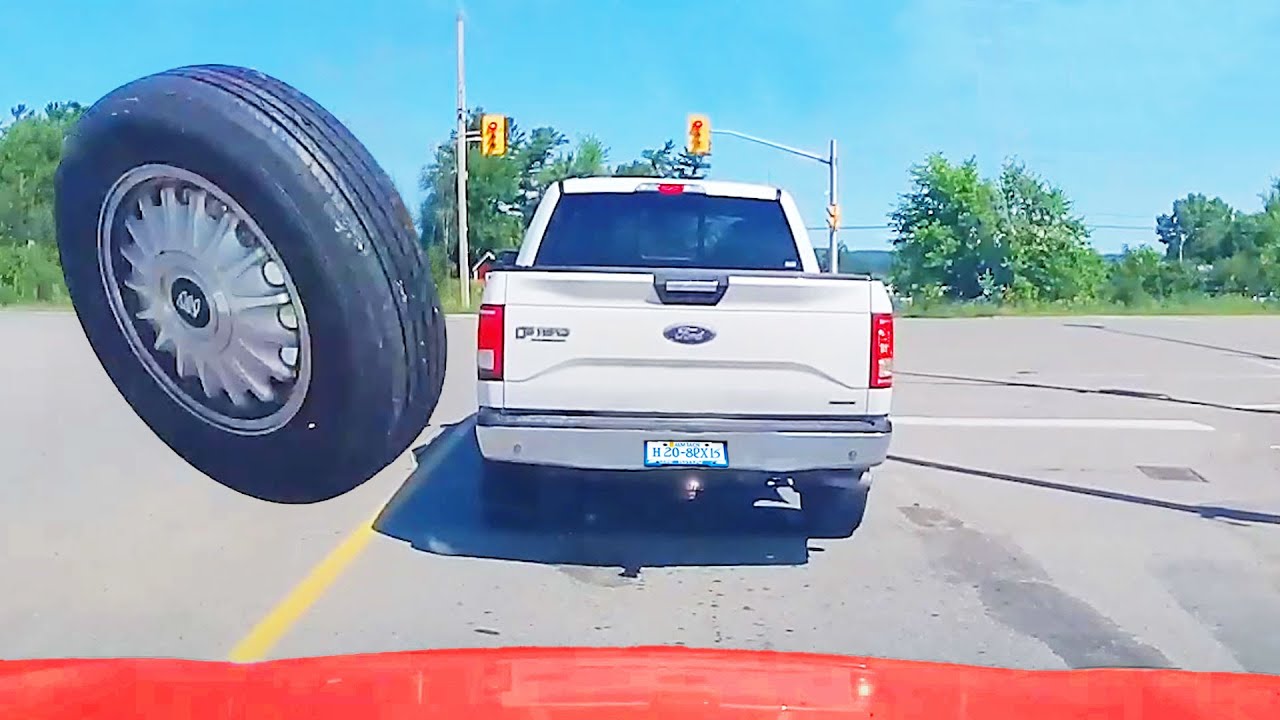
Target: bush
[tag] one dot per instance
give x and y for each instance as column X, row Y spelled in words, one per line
column 30, row 273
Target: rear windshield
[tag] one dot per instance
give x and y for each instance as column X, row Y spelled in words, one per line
column 651, row 230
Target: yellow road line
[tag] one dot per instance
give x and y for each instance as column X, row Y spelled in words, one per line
column 263, row 637
column 259, row 641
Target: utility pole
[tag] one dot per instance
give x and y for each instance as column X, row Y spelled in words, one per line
column 460, row 163
column 833, row 240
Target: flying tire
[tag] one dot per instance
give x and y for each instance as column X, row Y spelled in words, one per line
column 250, row 280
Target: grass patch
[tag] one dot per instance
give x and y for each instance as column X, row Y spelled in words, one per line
column 451, row 297
column 1188, row 305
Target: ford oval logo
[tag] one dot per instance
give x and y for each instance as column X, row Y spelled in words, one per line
column 688, row 334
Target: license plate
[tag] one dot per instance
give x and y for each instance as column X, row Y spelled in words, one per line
column 662, row 453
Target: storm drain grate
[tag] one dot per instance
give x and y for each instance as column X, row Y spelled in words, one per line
column 1173, row 473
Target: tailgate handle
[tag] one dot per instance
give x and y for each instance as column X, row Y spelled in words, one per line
column 690, row 288
column 695, row 286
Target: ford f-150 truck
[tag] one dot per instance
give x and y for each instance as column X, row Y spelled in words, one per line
column 682, row 326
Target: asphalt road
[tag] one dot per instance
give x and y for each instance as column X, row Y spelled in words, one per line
column 1015, row 525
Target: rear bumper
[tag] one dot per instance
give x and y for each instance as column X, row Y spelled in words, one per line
column 615, row 441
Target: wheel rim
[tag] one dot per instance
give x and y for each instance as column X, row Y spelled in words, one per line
column 204, row 299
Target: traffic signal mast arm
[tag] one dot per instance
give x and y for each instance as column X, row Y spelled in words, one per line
column 772, row 144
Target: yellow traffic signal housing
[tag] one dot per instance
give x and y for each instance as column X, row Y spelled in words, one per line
column 699, row 135
column 833, row 216
column 493, row 135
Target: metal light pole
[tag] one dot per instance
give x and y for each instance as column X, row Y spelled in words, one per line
column 832, row 164
column 833, row 241
column 460, row 163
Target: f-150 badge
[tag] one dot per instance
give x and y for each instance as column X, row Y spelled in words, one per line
column 542, row 334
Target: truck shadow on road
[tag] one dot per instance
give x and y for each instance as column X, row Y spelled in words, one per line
column 586, row 520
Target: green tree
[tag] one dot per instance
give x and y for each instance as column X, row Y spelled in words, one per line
column 665, row 162
column 1049, row 255
column 657, row 162
column 533, row 156
column 1235, row 252
column 495, row 198
column 1198, row 228
column 1013, row 238
column 588, row 158
column 635, row 168
column 30, row 149
column 1254, row 235
column 503, row 192
column 947, row 234
column 691, row 167
column 1143, row 275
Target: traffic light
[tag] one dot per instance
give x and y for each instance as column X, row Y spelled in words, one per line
column 833, row 216
column 493, row 135
column 699, row 135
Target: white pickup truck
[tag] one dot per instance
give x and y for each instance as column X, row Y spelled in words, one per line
column 682, row 326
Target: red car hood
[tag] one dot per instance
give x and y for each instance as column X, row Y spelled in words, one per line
column 603, row 684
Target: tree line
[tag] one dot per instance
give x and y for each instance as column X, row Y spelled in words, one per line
column 30, row 147
column 958, row 236
column 1014, row 238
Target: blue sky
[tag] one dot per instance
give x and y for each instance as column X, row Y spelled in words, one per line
column 1126, row 105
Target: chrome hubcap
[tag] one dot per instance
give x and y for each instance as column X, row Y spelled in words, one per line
column 204, row 299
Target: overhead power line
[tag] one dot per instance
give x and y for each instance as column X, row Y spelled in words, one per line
column 1091, row 226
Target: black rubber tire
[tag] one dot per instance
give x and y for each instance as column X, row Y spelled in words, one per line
column 378, row 340
column 509, row 495
column 832, row 512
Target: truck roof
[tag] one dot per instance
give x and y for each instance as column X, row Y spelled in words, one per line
column 719, row 188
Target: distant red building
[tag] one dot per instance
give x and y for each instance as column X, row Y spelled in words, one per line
column 481, row 268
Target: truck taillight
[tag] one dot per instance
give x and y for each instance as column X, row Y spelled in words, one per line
column 881, row 350
column 489, row 343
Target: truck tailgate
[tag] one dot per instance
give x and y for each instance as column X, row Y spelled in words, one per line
column 773, row 343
